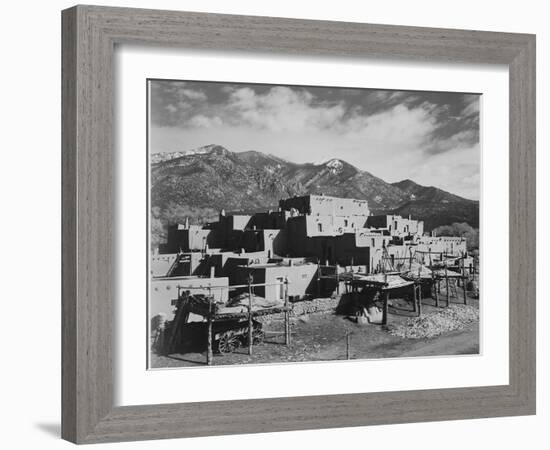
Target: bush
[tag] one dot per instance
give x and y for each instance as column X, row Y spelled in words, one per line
column 463, row 230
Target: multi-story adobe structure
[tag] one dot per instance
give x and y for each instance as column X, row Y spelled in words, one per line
column 305, row 231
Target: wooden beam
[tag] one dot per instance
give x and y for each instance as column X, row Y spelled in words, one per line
column 420, row 300
column 250, row 323
column 385, row 310
column 209, row 353
column 447, row 287
column 287, row 316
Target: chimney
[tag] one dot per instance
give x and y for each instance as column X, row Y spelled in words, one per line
column 212, row 272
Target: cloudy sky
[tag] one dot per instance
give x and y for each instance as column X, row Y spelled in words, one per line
column 429, row 137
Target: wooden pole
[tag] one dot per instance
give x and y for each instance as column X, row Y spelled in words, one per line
column 287, row 315
column 318, row 278
column 414, row 297
column 209, row 354
column 348, row 345
column 250, row 324
column 436, row 290
column 385, row 310
column 420, row 299
column 174, row 330
column 447, row 286
column 337, row 280
column 464, row 291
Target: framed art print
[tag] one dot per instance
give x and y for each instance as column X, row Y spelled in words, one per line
column 277, row 224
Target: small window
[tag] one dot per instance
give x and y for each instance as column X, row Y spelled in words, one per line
column 320, row 227
column 373, row 242
column 346, row 222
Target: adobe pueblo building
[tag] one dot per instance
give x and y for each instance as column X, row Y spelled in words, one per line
column 313, row 246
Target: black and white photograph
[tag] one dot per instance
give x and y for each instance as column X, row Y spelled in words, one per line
column 311, row 223
column 270, row 225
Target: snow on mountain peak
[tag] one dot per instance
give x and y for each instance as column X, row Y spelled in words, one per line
column 334, row 166
column 204, row 150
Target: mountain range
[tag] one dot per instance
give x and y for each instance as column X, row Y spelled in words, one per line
column 199, row 183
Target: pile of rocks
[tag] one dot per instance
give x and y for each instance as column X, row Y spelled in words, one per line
column 453, row 318
column 304, row 307
column 315, row 305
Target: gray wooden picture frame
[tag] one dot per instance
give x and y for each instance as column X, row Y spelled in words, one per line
column 90, row 34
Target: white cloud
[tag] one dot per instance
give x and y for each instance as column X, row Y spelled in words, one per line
column 472, row 107
column 280, row 109
column 192, row 94
column 171, row 108
column 458, row 141
column 201, row 121
column 399, row 125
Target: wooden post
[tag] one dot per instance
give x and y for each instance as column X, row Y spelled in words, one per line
column 436, row 290
column 348, row 345
column 318, row 278
column 447, row 286
column 175, row 328
column 337, row 280
column 420, row 299
column 414, row 297
column 209, row 354
column 287, row 315
column 464, row 291
column 385, row 310
column 250, row 323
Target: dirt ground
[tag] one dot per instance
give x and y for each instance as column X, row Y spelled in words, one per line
column 322, row 337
